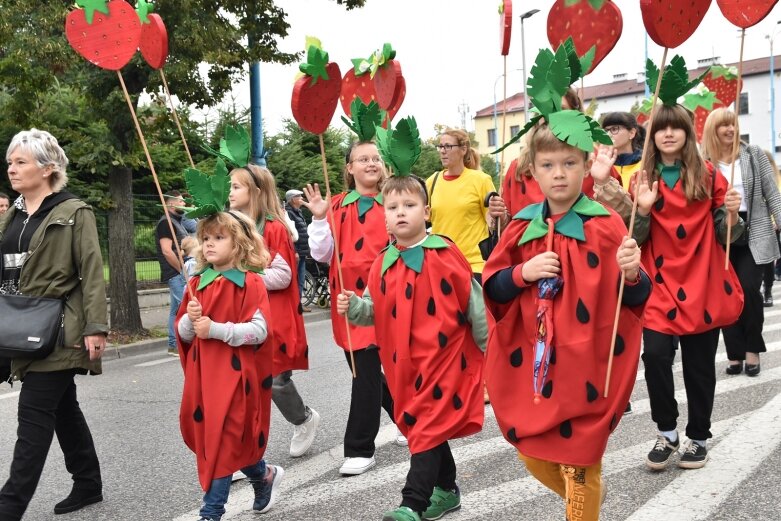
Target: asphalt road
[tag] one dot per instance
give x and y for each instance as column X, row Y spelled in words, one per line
column 149, row 474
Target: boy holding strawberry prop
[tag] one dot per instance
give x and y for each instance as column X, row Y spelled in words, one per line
column 434, row 367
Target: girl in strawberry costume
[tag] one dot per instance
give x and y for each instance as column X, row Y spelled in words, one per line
column 253, row 192
column 359, row 227
column 684, row 207
column 551, row 294
column 434, row 366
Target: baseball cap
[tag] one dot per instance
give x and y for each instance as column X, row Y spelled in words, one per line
column 290, row 194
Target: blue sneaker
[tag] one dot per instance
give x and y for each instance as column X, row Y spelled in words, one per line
column 267, row 490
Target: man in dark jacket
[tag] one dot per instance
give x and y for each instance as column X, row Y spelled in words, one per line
column 294, row 199
column 168, row 257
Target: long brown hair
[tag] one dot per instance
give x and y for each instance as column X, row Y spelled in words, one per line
column 249, row 250
column 711, row 146
column 694, row 173
column 264, row 199
column 471, row 157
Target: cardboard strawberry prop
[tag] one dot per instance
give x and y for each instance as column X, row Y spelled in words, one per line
column 505, row 26
column 701, row 101
column 746, row 13
column 590, row 23
column 154, row 36
column 104, row 33
column 671, row 22
column 723, row 82
column 316, row 94
column 226, row 398
column 377, row 78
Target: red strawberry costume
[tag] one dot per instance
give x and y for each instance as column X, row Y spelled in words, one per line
column 289, row 336
column 422, row 299
column 226, row 400
column 572, row 423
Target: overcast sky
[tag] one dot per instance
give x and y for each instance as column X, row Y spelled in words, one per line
column 450, row 54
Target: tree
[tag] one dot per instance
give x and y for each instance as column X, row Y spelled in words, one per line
column 203, row 35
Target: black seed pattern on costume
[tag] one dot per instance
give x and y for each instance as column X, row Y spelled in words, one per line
column 437, row 392
column 198, row 414
column 300, row 309
column 394, row 357
column 463, row 361
column 283, row 347
column 393, row 311
column 681, row 294
column 431, row 308
column 457, row 403
column 672, row 314
column 362, row 218
column 592, row 259
column 708, row 318
column 408, row 291
column 446, row 287
column 659, row 261
column 659, row 204
column 516, row 358
column 442, row 337
column 306, row 352
column 247, row 387
column 547, row 389
column 267, row 381
column 235, row 362
column 359, row 244
column 360, row 284
column 582, row 313
column 565, row 429
column 680, row 232
column 344, row 216
column 658, row 278
column 261, row 440
column 728, row 287
column 619, row 348
column 613, row 422
column 512, row 436
column 461, row 318
column 341, row 257
column 418, row 382
column 409, row 419
column 195, row 356
column 382, row 285
column 591, row 392
column 553, row 355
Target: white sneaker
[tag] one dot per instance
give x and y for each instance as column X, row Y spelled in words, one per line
column 401, row 440
column 304, row 435
column 355, row 466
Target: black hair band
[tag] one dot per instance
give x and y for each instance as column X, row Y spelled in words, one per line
column 242, row 222
column 252, row 176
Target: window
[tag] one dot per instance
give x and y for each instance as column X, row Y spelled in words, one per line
column 491, row 137
column 514, row 129
column 745, row 137
column 743, row 103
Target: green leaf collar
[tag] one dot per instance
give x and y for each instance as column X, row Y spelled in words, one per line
column 209, row 275
column 365, row 202
column 411, row 257
column 570, row 225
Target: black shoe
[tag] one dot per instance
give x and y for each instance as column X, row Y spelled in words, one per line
column 694, row 456
column 768, row 301
column 752, row 369
column 77, row 500
column 660, row 455
column 628, row 409
column 734, row 368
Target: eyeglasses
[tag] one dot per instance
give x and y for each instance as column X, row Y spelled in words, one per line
column 446, row 147
column 377, row 160
column 613, row 130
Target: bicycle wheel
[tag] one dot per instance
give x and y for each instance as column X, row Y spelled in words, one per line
column 310, row 290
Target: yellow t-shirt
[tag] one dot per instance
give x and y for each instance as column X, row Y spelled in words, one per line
column 458, row 212
column 626, row 172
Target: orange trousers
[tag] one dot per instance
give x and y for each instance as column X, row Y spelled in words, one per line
column 581, row 487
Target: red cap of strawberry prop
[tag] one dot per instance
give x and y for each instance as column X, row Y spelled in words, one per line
column 316, row 93
column 505, row 26
column 671, row 22
column 154, row 36
column 104, row 33
column 745, row 13
column 590, row 23
column 723, row 81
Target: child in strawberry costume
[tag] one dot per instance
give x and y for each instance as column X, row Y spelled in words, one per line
column 550, row 314
column 684, row 207
column 433, row 367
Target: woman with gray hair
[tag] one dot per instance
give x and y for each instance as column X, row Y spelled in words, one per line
column 41, row 224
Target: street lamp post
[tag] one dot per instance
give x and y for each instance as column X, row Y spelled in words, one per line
column 524, row 16
column 772, row 94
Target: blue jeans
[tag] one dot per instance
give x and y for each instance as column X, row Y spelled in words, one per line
column 301, row 275
column 176, row 285
column 215, row 498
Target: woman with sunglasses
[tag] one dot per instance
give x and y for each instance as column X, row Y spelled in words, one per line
column 457, row 197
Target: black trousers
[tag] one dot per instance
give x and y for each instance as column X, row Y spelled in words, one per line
column 698, row 356
column 434, row 467
column 369, row 393
column 48, row 405
column 746, row 333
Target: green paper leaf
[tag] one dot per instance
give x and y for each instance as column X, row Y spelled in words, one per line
column 236, row 146
column 675, row 80
column 587, row 59
column 400, row 147
column 549, row 80
column 572, row 127
column 90, row 6
column 596, row 4
column 598, row 134
column 208, row 193
column 316, row 61
column 309, row 41
column 574, row 62
column 143, row 9
column 527, row 127
column 718, row 71
column 706, row 100
column 365, row 119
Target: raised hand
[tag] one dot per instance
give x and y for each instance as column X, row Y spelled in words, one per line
column 646, row 195
column 604, row 159
column 315, row 202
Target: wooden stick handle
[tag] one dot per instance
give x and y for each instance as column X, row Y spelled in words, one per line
column 157, row 183
column 176, row 117
column 736, row 142
column 338, row 261
column 632, row 221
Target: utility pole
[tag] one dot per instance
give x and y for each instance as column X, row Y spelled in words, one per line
column 463, row 109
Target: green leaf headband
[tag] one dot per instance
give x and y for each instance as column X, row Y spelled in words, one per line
column 235, row 146
column 208, row 193
column 675, row 80
column 550, row 77
column 400, row 147
column 365, row 119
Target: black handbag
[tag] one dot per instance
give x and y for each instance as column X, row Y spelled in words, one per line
column 30, row 327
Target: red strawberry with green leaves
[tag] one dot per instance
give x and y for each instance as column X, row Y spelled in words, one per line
column 316, row 94
column 104, row 33
column 590, row 23
column 723, row 81
column 383, row 71
column 356, row 87
column 154, row 36
column 745, row 13
column 701, row 101
column 505, row 26
column 671, row 22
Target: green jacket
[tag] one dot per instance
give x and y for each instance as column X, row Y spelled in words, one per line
column 49, row 272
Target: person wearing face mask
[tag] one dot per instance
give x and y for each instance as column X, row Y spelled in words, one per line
column 168, row 257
